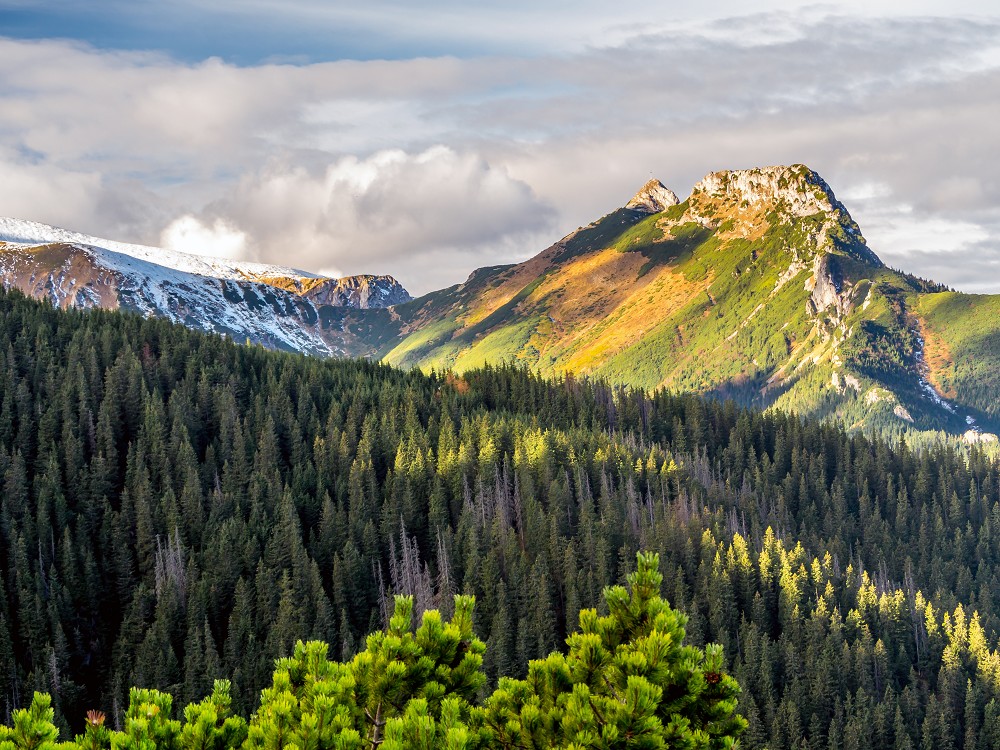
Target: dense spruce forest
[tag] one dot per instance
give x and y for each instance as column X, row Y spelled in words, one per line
column 178, row 508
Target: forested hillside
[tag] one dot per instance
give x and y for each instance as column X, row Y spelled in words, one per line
column 178, row 508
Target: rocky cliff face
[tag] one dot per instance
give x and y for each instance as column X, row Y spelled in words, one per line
column 797, row 189
column 828, row 292
column 362, row 292
column 751, row 200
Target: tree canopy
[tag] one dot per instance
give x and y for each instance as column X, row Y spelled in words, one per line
column 627, row 681
column 178, row 509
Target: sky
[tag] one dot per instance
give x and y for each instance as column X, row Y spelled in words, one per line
column 426, row 139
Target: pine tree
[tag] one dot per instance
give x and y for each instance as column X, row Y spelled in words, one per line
column 626, row 681
column 31, row 728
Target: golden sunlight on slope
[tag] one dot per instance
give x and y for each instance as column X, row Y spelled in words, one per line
column 940, row 364
column 293, row 284
column 596, row 304
column 590, row 306
column 664, row 292
column 513, row 280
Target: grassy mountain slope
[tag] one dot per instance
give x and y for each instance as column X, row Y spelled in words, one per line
column 759, row 287
column 962, row 347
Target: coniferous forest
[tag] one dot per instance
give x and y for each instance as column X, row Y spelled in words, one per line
column 179, row 511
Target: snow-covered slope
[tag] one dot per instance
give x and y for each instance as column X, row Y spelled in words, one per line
column 277, row 307
column 23, row 232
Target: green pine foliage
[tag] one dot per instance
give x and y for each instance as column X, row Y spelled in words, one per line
column 627, row 682
column 178, row 509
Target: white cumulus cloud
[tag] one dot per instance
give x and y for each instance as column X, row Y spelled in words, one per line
column 425, row 217
column 217, row 239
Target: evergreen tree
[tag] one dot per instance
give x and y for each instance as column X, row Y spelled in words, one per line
column 626, row 681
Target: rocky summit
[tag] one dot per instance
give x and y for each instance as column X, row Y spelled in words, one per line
column 652, row 198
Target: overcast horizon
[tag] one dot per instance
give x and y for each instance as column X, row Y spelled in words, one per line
column 424, row 142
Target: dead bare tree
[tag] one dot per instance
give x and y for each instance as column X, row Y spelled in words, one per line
column 169, row 567
column 408, row 576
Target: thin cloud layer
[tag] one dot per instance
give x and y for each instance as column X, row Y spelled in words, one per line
column 429, row 167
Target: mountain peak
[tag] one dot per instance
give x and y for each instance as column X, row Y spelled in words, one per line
column 802, row 190
column 652, row 198
column 751, row 198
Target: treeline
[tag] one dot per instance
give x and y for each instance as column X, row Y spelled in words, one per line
column 178, row 509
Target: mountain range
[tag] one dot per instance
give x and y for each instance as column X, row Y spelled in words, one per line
column 281, row 308
column 759, row 286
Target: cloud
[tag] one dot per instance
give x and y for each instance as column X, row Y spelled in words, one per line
column 30, row 190
column 430, row 166
column 391, row 212
column 216, row 240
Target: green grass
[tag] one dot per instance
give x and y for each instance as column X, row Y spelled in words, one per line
column 679, row 249
column 432, row 341
column 691, row 350
column 506, row 344
column 502, row 314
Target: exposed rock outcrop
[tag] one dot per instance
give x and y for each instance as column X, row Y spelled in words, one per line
column 748, row 199
column 363, row 292
column 801, row 191
column 828, row 288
